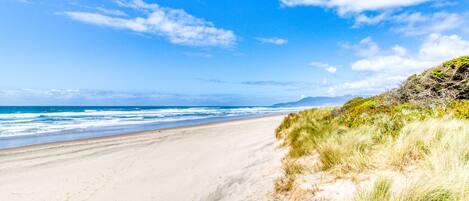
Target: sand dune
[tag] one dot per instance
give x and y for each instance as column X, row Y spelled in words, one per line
column 234, row 160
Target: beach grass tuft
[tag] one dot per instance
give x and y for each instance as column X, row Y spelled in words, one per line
column 380, row 191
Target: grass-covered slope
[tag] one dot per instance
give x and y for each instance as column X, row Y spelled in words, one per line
column 447, row 81
column 411, row 143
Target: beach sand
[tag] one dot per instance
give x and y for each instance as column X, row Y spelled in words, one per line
column 235, row 160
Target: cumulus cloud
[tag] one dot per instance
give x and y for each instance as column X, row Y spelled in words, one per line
column 274, row 41
column 387, row 68
column 368, row 86
column 439, row 47
column 353, row 6
column 176, row 25
column 327, row 67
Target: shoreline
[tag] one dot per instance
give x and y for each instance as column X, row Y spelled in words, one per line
column 143, row 132
column 135, row 134
column 234, row 160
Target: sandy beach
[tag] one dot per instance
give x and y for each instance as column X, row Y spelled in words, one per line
column 235, row 160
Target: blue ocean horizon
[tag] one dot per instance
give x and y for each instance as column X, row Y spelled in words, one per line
column 31, row 125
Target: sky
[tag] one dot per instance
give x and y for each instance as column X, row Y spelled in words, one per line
column 219, row 52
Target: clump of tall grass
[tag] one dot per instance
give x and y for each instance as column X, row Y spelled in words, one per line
column 345, row 152
column 291, row 170
column 421, row 140
column 380, row 191
column 438, row 149
column 307, row 130
column 440, row 187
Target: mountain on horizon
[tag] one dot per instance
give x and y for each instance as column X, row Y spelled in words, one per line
column 317, row 101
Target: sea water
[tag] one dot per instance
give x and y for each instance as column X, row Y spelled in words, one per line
column 21, row 126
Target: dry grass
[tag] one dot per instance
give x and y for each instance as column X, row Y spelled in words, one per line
column 287, row 181
column 439, row 151
column 380, row 191
column 343, row 153
column 418, row 132
column 431, row 150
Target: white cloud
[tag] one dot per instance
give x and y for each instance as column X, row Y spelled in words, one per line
column 331, row 69
column 274, row 41
column 394, row 64
column 104, row 97
column 444, row 3
column 440, row 47
column 363, row 19
column 136, row 24
column 368, row 86
column 413, row 24
column 365, row 12
column 27, row 93
column 365, row 48
column 399, row 50
column 176, row 25
column 416, row 23
column 327, row 67
column 390, row 67
column 111, row 11
column 353, row 6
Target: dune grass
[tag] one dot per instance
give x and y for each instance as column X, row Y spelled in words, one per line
column 286, row 182
column 438, row 149
column 412, row 142
column 347, row 151
column 380, row 191
column 366, row 135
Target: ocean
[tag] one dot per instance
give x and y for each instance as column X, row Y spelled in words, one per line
column 29, row 125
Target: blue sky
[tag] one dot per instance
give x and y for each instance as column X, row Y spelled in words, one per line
column 213, row 52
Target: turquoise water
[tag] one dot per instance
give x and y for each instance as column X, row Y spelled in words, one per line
column 21, row 126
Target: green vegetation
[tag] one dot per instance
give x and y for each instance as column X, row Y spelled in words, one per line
column 457, row 63
column 438, row 72
column 447, row 81
column 425, row 138
column 380, row 191
column 286, row 183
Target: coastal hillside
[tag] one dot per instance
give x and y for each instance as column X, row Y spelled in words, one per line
column 316, row 101
column 408, row 144
column 447, row 81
